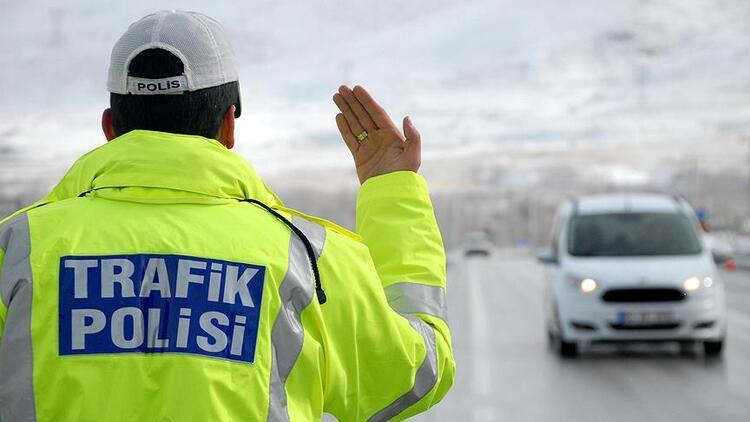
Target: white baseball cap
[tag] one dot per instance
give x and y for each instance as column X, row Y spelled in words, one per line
column 197, row 40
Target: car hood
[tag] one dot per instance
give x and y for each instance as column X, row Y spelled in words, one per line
column 640, row 271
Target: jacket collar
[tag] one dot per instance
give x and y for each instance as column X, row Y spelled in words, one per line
column 157, row 162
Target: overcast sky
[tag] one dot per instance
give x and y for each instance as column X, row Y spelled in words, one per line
column 474, row 75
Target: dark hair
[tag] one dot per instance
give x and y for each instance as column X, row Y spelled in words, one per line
column 191, row 113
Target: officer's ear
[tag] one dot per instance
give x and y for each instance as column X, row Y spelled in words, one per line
column 226, row 130
column 107, row 128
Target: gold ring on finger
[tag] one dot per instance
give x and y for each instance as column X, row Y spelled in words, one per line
column 362, row 136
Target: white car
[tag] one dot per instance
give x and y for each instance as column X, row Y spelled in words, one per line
column 631, row 268
column 477, row 243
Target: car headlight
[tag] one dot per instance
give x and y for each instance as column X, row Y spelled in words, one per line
column 695, row 283
column 587, row 285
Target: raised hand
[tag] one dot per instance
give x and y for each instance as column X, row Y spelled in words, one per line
column 377, row 145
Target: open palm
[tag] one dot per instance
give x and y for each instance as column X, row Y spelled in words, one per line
column 383, row 147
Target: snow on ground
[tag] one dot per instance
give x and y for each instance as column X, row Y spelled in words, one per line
column 480, row 78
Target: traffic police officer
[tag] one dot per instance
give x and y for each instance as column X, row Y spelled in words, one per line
column 161, row 279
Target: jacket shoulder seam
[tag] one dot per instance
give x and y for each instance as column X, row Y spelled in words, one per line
column 323, row 222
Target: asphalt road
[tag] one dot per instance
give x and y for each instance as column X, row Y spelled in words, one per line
column 506, row 372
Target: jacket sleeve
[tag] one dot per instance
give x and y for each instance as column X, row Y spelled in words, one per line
column 3, row 306
column 390, row 354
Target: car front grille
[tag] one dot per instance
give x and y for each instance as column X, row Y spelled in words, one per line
column 661, row 326
column 643, row 295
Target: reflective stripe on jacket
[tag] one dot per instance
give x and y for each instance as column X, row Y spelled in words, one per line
column 144, row 288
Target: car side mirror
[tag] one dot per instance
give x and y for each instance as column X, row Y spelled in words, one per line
column 547, row 256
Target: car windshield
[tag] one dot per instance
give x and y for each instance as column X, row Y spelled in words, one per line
column 632, row 234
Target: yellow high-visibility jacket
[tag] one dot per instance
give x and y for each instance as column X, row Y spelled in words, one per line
column 153, row 284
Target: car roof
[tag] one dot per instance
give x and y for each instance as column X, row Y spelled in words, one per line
column 478, row 234
column 628, row 202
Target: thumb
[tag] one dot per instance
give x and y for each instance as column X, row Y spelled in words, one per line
column 413, row 145
column 411, row 132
